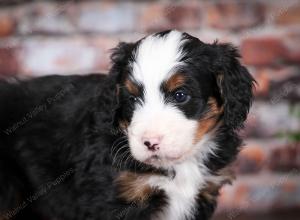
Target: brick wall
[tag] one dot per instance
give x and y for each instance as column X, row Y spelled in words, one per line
column 64, row 37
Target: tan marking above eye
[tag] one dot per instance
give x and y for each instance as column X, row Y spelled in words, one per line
column 131, row 87
column 209, row 120
column 175, row 81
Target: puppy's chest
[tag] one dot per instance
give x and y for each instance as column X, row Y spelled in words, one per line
column 181, row 192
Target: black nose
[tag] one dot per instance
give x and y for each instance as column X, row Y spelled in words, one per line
column 147, row 143
column 151, row 147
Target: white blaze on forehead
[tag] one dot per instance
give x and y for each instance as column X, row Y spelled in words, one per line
column 155, row 60
column 155, row 57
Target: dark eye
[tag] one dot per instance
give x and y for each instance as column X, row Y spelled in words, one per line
column 132, row 99
column 181, row 96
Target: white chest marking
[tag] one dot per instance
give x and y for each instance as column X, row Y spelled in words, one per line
column 181, row 191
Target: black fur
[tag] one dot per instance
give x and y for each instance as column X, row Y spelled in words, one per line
column 58, row 136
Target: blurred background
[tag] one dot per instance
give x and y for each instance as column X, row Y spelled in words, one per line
column 38, row 38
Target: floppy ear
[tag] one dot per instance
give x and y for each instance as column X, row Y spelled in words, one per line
column 107, row 97
column 235, row 85
column 120, row 57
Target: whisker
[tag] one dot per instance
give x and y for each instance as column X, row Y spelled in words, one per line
column 131, row 161
column 117, row 140
column 122, row 147
column 129, row 156
column 116, row 146
column 119, row 167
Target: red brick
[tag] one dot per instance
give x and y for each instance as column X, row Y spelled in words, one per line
column 279, row 214
column 273, row 155
column 43, row 56
column 263, row 83
column 268, row 78
column 234, row 15
column 251, row 123
column 185, row 16
column 264, row 192
column 45, row 18
column 158, row 16
column 7, row 25
column 292, row 42
column 271, row 118
column 289, row 15
column 286, row 90
column 152, row 18
column 104, row 45
column 251, row 159
column 263, row 51
column 285, row 158
column 106, row 17
column 8, row 61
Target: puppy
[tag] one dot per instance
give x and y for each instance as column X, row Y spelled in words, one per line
column 150, row 140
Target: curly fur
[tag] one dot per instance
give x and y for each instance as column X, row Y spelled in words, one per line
column 63, row 140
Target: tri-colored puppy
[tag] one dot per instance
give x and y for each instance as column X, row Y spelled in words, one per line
column 148, row 141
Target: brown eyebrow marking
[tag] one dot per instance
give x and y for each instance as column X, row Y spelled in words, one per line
column 210, row 119
column 175, row 81
column 132, row 88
